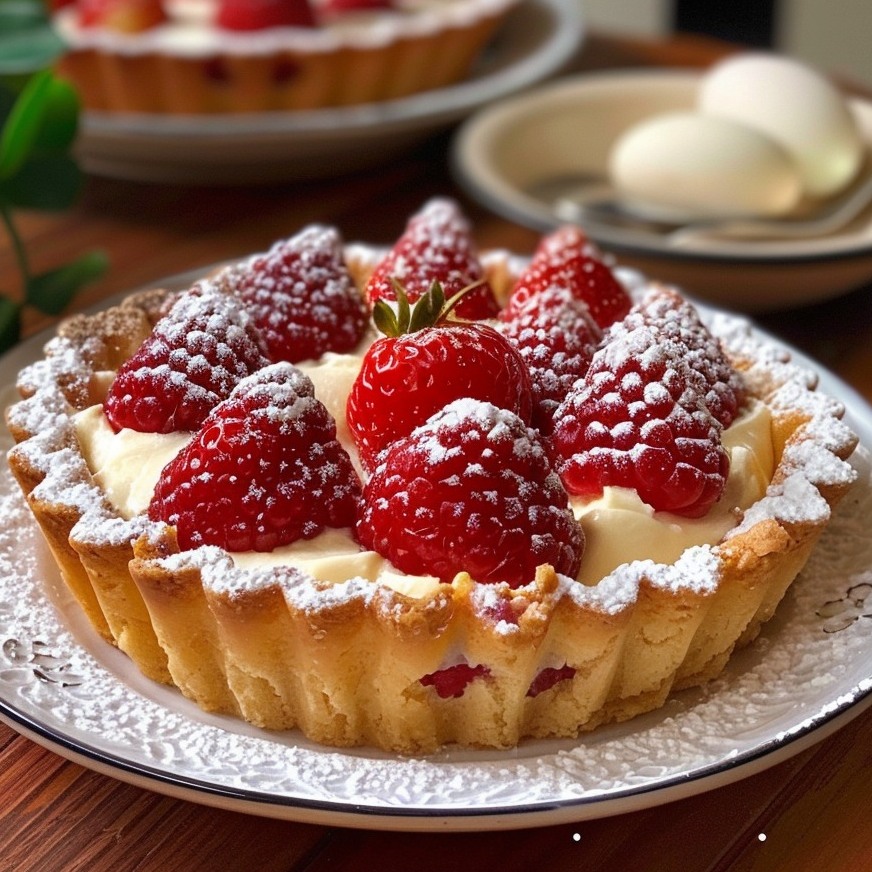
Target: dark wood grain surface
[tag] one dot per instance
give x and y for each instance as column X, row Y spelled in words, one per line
column 808, row 813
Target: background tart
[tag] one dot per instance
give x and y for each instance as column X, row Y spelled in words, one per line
column 187, row 64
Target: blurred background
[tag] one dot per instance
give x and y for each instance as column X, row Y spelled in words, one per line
column 832, row 34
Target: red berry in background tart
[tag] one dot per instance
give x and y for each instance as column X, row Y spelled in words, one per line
column 436, row 246
column 261, row 14
column 423, row 363
column 677, row 318
column 124, row 16
column 302, row 296
column 472, row 490
column 557, row 337
column 567, row 258
column 264, row 470
column 194, row 357
column 639, row 420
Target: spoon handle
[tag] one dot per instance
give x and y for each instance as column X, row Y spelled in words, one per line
column 599, row 203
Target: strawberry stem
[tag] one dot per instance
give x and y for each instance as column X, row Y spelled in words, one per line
column 385, row 319
column 430, row 309
column 448, row 308
column 404, row 315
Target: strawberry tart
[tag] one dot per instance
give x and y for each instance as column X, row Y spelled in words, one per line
column 426, row 495
column 220, row 56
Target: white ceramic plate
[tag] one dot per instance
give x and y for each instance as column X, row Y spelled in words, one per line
column 535, row 41
column 807, row 674
column 508, row 154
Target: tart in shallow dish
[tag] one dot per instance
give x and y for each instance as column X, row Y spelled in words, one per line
column 222, row 56
column 364, row 539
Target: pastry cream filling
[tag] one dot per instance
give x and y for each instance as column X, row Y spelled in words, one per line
column 618, row 526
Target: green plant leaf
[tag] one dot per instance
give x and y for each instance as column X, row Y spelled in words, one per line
column 7, row 99
column 27, row 40
column 42, row 120
column 53, row 291
column 60, row 120
column 23, row 123
column 21, row 14
column 50, row 183
column 10, row 323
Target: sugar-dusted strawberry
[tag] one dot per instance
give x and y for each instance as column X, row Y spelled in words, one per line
column 425, row 361
column 567, row 258
column 194, row 357
column 436, row 245
column 557, row 337
column 302, row 296
column 471, row 490
column 124, row 16
column 261, row 14
column 264, row 470
column 674, row 316
column 639, row 420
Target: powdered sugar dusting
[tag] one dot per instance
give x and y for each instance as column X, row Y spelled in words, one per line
column 192, row 360
column 302, row 295
column 569, row 771
column 436, row 245
column 795, row 678
column 786, row 386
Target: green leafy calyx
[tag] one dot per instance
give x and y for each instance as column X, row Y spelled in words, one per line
column 430, row 310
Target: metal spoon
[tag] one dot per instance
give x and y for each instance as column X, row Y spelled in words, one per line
column 585, row 199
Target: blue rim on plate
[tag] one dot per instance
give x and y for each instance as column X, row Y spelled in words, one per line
column 806, row 676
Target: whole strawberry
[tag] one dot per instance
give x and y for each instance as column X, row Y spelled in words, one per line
column 567, row 258
column 264, row 470
column 557, row 337
column 302, row 296
column 471, row 490
column 261, row 14
column 639, row 420
column 425, row 361
column 192, row 360
column 436, row 246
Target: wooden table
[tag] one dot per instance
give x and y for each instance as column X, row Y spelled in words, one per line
column 808, row 813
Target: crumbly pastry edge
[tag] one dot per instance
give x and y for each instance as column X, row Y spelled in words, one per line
column 343, row 663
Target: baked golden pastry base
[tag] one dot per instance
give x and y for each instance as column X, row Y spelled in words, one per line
column 343, row 663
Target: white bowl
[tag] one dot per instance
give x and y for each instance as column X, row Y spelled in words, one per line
column 505, row 155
